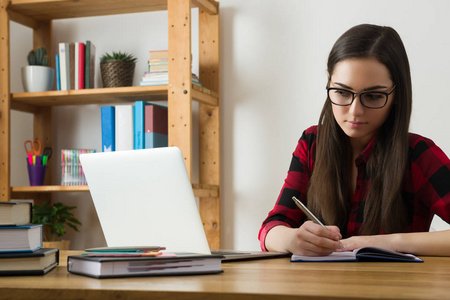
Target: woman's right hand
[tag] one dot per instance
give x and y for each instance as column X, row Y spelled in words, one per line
column 311, row 239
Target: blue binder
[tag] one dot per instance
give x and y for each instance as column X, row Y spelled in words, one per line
column 108, row 115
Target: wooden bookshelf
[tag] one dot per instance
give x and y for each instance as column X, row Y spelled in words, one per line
column 31, row 12
column 28, row 102
column 179, row 93
column 26, row 192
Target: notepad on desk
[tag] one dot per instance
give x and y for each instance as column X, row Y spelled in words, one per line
column 361, row 254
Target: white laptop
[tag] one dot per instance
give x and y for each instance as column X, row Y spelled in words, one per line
column 145, row 198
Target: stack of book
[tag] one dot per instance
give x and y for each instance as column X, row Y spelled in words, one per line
column 75, row 66
column 158, row 70
column 21, row 251
column 139, row 126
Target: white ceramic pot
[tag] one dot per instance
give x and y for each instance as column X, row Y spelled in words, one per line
column 37, row 78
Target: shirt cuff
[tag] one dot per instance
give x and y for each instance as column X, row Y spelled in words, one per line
column 264, row 230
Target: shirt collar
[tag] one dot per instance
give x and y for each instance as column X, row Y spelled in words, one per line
column 363, row 157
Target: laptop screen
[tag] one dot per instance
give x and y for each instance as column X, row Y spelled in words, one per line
column 145, row 198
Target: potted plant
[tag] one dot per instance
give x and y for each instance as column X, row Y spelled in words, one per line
column 54, row 217
column 117, row 69
column 38, row 76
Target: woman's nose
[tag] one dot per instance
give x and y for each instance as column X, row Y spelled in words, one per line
column 356, row 108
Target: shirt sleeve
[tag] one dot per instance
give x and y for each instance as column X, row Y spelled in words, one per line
column 431, row 176
column 285, row 212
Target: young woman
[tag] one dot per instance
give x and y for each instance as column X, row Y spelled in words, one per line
column 359, row 170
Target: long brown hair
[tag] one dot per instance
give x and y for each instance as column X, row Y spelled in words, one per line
column 329, row 190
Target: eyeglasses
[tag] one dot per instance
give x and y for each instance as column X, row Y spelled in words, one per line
column 368, row 99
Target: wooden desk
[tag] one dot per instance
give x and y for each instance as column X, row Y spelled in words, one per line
column 261, row 279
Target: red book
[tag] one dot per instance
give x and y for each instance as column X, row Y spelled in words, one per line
column 79, row 62
column 155, row 119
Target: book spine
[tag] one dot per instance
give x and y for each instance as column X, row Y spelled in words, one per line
column 76, row 65
column 139, row 125
column 80, row 66
column 64, row 60
column 87, row 65
column 156, row 126
column 124, row 127
column 92, row 65
column 72, row 66
column 108, row 120
column 57, row 71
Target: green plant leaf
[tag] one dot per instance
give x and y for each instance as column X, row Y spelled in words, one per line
column 123, row 56
column 55, row 217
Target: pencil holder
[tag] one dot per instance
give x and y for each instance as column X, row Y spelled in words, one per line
column 36, row 173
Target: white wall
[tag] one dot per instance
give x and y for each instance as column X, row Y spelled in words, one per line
column 273, row 76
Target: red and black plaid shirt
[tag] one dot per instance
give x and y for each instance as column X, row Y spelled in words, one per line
column 426, row 187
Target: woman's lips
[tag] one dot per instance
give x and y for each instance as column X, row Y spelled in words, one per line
column 355, row 124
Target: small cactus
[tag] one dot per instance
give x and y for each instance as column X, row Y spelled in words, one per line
column 31, row 58
column 45, row 60
column 38, row 57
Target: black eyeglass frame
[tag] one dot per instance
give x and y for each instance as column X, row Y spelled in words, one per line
column 359, row 94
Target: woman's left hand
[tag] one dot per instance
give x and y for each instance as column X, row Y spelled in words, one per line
column 382, row 241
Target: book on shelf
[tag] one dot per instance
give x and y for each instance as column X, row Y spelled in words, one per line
column 71, row 169
column 159, row 54
column 139, row 124
column 57, row 71
column 158, row 67
column 79, row 65
column 126, row 266
column 162, row 78
column 158, row 61
column 156, row 126
column 64, row 65
column 158, row 70
column 361, row 254
column 71, row 66
column 89, row 68
column 108, row 123
column 23, row 238
column 15, row 213
column 153, row 83
column 124, row 127
column 38, row 262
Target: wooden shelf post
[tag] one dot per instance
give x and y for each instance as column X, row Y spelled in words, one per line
column 209, row 124
column 5, row 100
column 179, row 92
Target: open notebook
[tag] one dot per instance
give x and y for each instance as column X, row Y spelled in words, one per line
column 144, row 197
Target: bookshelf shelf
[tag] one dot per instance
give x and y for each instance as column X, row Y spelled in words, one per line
column 49, row 189
column 29, row 101
column 179, row 93
column 24, row 192
column 30, row 12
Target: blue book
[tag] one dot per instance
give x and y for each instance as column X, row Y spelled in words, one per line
column 155, row 140
column 25, row 238
column 108, row 115
column 58, row 76
column 139, row 125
